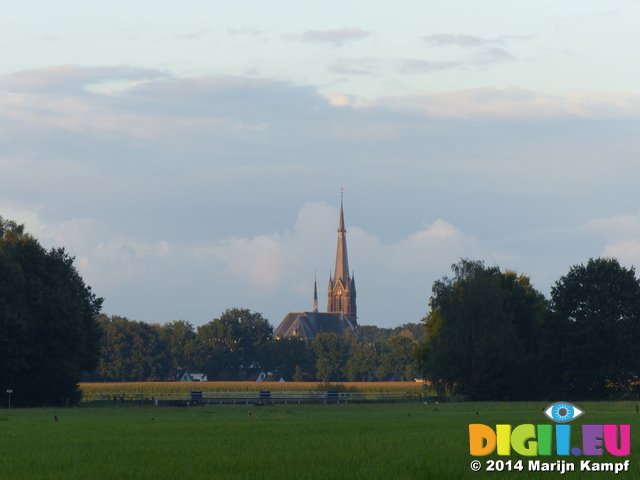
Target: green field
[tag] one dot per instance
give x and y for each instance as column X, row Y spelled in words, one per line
column 334, row 441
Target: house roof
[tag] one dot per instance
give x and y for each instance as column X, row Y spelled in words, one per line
column 307, row 325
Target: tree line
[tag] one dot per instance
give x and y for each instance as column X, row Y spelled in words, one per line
column 492, row 336
column 240, row 344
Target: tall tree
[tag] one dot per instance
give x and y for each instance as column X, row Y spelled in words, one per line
column 48, row 329
column 331, row 353
column 363, row 360
column 482, row 333
column 134, row 352
column 230, row 343
column 592, row 332
column 371, row 333
column 282, row 356
column 180, row 338
column 397, row 357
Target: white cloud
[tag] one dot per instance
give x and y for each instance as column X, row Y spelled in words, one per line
column 244, row 31
column 70, row 78
column 627, row 252
column 469, row 41
column 336, row 37
column 617, row 228
column 271, row 261
column 354, row 66
column 518, row 102
column 455, row 39
column 176, row 194
column 491, row 55
column 622, row 234
column 413, row 65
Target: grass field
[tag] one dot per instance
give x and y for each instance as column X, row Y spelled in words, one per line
column 335, row 441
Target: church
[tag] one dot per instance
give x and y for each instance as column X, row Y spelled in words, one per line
column 341, row 315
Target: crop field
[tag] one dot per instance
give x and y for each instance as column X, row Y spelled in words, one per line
column 160, row 389
column 409, row 440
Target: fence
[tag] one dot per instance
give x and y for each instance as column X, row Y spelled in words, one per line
column 254, row 397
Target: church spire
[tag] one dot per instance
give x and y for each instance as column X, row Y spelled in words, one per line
column 342, row 262
column 315, row 295
column 342, row 288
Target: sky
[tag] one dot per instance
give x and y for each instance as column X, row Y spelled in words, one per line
column 190, row 155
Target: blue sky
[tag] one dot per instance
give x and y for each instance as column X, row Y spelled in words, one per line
column 190, row 155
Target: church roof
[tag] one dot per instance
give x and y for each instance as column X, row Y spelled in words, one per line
column 307, row 325
column 342, row 261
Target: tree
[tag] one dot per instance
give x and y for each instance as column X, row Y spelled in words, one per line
column 230, row 343
column 483, row 331
column 371, row 333
column 282, row 356
column 592, row 331
column 397, row 357
column 133, row 352
column 364, row 359
column 180, row 338
column 331, row 353
column 48, row 329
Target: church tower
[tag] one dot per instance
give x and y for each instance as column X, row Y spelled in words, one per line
column 340, row 317
column 314, row 308
column 342, row 287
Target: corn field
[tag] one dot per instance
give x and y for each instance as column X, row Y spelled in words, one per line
column 92, row 391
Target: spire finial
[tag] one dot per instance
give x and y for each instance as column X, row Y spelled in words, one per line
column 314, row 307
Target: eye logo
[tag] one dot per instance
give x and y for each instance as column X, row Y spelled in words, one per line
column 562, row 412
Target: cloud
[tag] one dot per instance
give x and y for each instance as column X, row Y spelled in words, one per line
column 469, row 41
column 271, row 261
column 343, row 100
column 68, row 78
column 335, row 37
column 622, row 234
column 442, row 39
column 244, row 31
column 358, row 66
column 430, row 250
column 493, row 55
column 412, row 66
column 484, row 51
column 176, row 194
column 150, row 104
column 282, row 263
column 196, row 35
column 518, row 102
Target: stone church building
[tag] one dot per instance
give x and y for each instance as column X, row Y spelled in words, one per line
column 341, row 314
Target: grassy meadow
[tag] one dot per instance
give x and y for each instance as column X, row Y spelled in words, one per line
column 407, row 440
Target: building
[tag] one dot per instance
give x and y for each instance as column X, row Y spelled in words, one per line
column 341, row 315
column 186, row 376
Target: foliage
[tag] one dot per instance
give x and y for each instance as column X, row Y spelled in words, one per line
column 398, row 357
column 230, row 343
column 331, row 353
column 363, row 360
column 371, row 333
column 592, row 332
column 133, row 352
column 483, row 333
column 48, row 328
column 284, row 357
column 180, row 338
